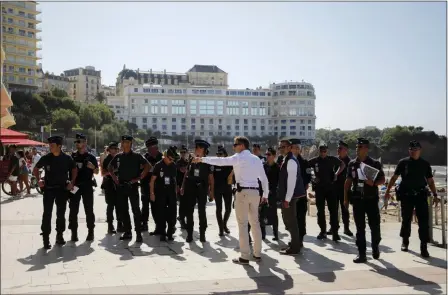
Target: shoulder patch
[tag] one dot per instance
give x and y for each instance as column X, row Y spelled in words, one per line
column 308, row 170
column 212, row 168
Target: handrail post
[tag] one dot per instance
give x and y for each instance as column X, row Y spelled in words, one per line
column 443, row 213
column 430, row 221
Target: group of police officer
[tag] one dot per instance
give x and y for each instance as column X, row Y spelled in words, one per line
column 167, row 180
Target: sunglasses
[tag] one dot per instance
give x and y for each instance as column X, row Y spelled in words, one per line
column 282, row 147
column 182, row 152
column 323, row 151
column 236, row 144
column 78, row 141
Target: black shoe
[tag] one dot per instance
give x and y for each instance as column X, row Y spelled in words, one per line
column 322, row 236
column 301, row 243
column 202, row 237
column 329, row 233
column 111, row 228
column 60, row 239
column 139, row 238
column 375, row 252
column 189, row 238
column 74, row 236
column 424, row 250
column 162, row 238
column 275, row 238
column 347, row 232
column 405, row 245
column 120, row 228
column 263, row 238
column 144, row 227
column 240, row 261
column 360, row 259
column 90, row 236
column 126, row 236
column 336, row 237
column 290, row 252
column 154, row 233
column 46, row 241
column 221, row 233
column 226, row 229
column 257, row 259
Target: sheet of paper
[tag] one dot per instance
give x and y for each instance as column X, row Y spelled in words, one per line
column 369, row 171
column 361, row 175
column 74, row 189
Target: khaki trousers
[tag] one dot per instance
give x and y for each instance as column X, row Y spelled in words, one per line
column 246, row 210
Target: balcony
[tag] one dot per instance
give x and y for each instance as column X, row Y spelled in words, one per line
column 22, row 43
column 23, row 63
column 24, row 6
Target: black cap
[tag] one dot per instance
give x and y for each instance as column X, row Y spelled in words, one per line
column 256, row 145
column 80, row 136
column 222, row 150
column 414, row 145
column 295, row 141
column 323, row 146
column 362, row 141
column 127, row 137
column 171, row 152
column 13, row 146
column 201, row 142
column 271, row 150
column 151, row 141
column 113, row 144
column 55, row 139
column 341, row 143
column 183, row 148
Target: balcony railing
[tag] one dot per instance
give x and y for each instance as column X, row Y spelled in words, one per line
column 22, row 43
column 31, row 64
column 25, row 6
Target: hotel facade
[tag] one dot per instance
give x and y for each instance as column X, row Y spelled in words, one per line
column 21, row 42
column 200, row 104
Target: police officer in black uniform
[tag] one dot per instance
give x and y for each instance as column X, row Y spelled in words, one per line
column 59, row 168
column 181, row 166
column 362, row 191
column 272, row 170
column 256, row 150
column 152, row 156
column 324, row 169
column 87, row 166
column 223, row 192
column 305, row 171
column 110, row 192
column 416, row 174
column 339, row 187
column 198, row 182
column 164, row 192
column 128, row 166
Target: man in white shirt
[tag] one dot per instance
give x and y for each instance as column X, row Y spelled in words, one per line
column 290, row 190
column 247, row 169
column 36, row 158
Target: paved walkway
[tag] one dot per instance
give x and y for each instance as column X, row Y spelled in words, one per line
column 108, row 265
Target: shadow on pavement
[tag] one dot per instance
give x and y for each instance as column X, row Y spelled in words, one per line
column 214, row 255
column 318, row 265
column 400, row 276
column 11, row 199
column 112, row 244
column 266, row 280
column 431, row 261
column 66, row 253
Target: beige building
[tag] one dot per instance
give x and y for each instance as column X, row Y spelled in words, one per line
column 6, row 117
column 85, row 83
column 20, row 40
column 201, row 75
column 52, row 81
column 108, row 90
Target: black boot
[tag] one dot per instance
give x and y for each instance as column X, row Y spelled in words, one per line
column 74, row 236
column 375, row 252
column 322, row 236
column 139, row 238
column 226, row 229
column 347, row 232
column 120, row 227
column 46, row 240
column 336, row 237
column 126, row 236
column 90, row 236
column 111, row 228
column 221, row 232
column 424, row 250
column 405, row 245
column 189, row 237
column 202, row 236
column 361, row 258
column 60, row 239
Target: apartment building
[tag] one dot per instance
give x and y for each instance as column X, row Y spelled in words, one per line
column 6, row 117
column 108, row 90
column 189, row 109
column 52, row 81
column 85, row 83
column 21, row 42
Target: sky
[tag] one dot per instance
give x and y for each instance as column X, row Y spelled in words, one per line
column 372, row 64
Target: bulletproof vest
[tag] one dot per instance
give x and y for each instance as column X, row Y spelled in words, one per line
column 166, row 176
column 299, row 189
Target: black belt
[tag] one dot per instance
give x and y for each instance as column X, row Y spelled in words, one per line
column 254, row 188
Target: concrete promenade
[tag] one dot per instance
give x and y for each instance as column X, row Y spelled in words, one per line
column 108, row 265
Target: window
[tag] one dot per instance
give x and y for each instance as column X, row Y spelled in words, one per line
column 210, row 121
column 146, row 110
column 193, row 120
column 135, row 89
column 173, row 127
column 178, row 91
column 282, row 93
column 206, row 107
column 254, row 128
column 291, row 92
column 245, row 121
column 210, row 91
column 193, row 107
column 144, row 120
column 134, row 120
column 309, row 121
column 233, row 108
column 254, row 111
column 154, row 120
column 173, row 120
column 292, row 127
column 237, row 121
column 154, row 106
column 220, row 107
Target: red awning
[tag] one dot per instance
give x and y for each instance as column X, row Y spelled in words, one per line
column 8, row 133
column 21, row 142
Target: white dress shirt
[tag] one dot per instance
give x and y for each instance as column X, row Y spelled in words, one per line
column 291, row 182
column 36, row 159
column 246, row 167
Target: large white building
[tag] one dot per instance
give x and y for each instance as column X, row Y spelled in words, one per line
column 204, row 110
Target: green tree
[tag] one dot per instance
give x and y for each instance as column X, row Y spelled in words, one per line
column 65, row 120
column 29, row 111
column 132, row 127
column 60, row 93
column 95, row 115
column 100, row 97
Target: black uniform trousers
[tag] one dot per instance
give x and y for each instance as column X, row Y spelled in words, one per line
column 420, row 203
column 362, row 207
column 302, row 208
column 272, row 212
column 290, row 219
column 223, row 193
column 182, row 204
column 129, row 194
column 145, row 203
column 195, row 193
column 166, row 203
column 86, row 193
column 111, row 196
column 326, row 193
column 58, row 196
column 339, row 189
